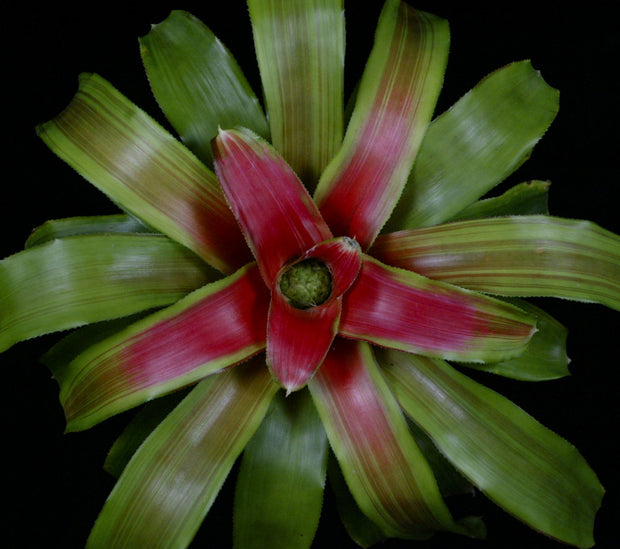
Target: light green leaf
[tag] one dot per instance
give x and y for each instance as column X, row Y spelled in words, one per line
column 514, row 256
column 197, row 83
column 522, row 466
column 475, row 145
column 284, row 465
column 529, row 198
column 75, row 281
column 140, row 166
column 169, row 485
column 75, row 226
column 300, row 51
column 544, row 357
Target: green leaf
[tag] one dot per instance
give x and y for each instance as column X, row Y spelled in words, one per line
column 284, row 465
column 514, row 256
column 529, row 198
column 476, row 144
column 214, row 327
column 394, row 104
column 141, row 167
column 197, row 83
column 169, row 485
column 522, row 466
column 384, row 468
column 74, row 226
column 300, row 51
column 544, row 357
column 74, row 281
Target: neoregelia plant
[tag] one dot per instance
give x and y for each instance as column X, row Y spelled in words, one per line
column 292, row 284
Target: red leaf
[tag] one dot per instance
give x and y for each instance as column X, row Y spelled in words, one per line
column 298, row 339
column 402, row 310
column 277, row 215
column 396, row 97
column 212, row 328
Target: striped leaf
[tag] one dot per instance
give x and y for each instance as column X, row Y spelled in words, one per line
column 514, row 256
column 300, row 51
column 394, row 105
column 214, row 327
column 522, row 466
column 383, row 467
column 169, row 485
column 141, row 167
column 284, row 464
column 197, row 83
column 475, row 145
column 74, row 281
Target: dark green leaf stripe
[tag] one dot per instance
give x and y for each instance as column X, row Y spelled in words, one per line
column 521, row 465
column 74, row 281
column 141, row 426
column 360, row 528
column 514, row 256
column 285, row 462
column 197, row 83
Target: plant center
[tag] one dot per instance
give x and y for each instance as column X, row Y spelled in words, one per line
column 307, row 283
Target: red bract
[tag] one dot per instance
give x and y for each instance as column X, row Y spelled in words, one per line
column 385, row 306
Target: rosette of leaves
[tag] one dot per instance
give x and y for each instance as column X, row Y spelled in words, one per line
column 287, row 287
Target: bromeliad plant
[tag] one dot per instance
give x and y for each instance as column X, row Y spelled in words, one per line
column 295, row 289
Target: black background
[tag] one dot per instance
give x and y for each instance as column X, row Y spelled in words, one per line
column 54, row 485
